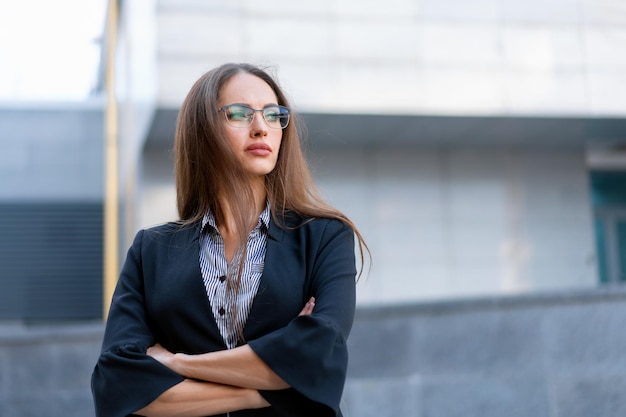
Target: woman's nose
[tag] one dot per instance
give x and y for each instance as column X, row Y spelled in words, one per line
column 259, row 126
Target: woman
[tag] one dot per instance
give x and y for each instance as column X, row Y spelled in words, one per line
column 244, row 305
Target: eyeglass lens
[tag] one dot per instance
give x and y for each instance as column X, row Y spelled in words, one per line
column 239, row 115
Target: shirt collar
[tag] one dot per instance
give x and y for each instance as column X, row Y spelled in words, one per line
column 264, row 219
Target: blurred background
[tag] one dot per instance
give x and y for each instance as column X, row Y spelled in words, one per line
column 480, row 146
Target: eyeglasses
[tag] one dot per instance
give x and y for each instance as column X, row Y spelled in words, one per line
column 242, row 115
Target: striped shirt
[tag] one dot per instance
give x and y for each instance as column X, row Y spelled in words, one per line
column 216, row 270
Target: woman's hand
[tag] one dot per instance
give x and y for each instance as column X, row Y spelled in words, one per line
column 308, row 307
column 162, row 355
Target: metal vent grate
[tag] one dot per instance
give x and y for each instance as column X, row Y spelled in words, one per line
column 50, row 261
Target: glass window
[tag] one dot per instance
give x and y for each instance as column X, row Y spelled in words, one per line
column 608, row 190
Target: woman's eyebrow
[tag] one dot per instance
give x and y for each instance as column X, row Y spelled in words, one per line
column 247, row 104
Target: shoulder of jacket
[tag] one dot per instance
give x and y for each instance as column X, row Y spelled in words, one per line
column 313, row 224
column 166, row 230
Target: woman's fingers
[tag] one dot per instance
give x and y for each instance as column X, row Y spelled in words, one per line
column 308, row 307
column 161, row 354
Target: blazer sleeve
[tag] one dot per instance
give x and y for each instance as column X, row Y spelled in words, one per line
column 125, row 379
column 310, row 353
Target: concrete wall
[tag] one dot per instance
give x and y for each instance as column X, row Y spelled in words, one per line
column 408, row 56
column 46, row 369
column 465, row 221
column 551, row 355
column 51, row 193
column 52, row 153
column 556, row 355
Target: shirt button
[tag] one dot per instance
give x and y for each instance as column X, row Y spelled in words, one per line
column 221, row 311
column 223, row 278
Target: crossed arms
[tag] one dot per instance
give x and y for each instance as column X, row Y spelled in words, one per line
column 217, row 382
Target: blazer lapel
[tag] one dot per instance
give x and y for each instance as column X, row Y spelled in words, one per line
column 263, row 300
column 188, row 243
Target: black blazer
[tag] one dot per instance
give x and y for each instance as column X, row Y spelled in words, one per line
column 160, row 297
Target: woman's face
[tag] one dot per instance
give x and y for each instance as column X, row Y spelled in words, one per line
column 257, row 145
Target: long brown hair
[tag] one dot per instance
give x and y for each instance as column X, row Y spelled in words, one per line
column 207, row 168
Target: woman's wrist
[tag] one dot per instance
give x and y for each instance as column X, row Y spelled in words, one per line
column 205, row 366
column 177, row 364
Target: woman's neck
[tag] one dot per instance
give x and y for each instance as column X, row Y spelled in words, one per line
column 227, row 223
column 229, row 228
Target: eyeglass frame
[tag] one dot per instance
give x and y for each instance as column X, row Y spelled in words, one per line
column 282, row 109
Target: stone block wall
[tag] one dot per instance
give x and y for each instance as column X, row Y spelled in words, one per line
column 45, row 370
column 546, row 355
column 552, row 355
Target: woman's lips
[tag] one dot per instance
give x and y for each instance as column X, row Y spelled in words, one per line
column 259, row 149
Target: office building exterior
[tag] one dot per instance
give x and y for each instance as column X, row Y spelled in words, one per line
column 479, row 146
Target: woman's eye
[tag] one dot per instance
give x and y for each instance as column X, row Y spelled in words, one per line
column 238, row 115
column 272, row 116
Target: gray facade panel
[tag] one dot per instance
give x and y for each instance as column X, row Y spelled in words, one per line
column 597, row 395
column 546, row 355
column 384, row 350
column 583, row 339
column 487, row 397
column 378, row 397
column 52, row 154
column 480, row 343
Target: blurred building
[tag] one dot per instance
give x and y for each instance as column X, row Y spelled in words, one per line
column 479, row 146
